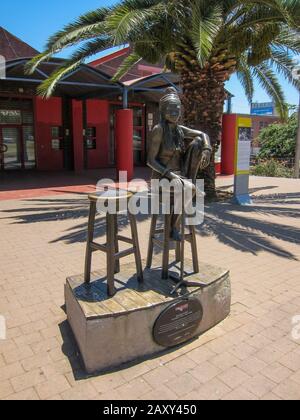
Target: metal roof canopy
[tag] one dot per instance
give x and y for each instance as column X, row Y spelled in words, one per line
column 86, row 82
column 82, row 81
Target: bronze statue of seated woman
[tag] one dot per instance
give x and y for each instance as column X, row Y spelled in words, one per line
column 176, row 152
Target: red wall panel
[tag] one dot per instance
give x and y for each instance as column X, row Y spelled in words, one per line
column 228, row 143
column 48, row 113
column 124, row 142
column 97, row 112
column 77, row 120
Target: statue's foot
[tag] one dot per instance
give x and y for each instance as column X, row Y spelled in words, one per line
column 176, row 235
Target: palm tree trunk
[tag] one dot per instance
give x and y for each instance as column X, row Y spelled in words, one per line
column 204, row 95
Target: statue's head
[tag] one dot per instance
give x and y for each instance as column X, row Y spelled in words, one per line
column 170, row 106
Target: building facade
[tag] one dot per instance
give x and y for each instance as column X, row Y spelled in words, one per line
column 76, row 129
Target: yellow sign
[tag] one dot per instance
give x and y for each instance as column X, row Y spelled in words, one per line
column 243, row 146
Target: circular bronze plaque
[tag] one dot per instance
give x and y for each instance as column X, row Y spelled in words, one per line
column 178, row 323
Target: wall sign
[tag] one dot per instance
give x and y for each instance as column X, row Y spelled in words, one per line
column 244, row 149
column 55, row 143
column 178, row 323
column 242, row 160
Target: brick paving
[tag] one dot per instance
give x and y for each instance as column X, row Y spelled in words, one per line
column 251, row 355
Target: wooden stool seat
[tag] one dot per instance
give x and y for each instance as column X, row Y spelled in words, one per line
column 116, row 195
column 111, row 248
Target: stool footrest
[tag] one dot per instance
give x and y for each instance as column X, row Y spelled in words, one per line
column 98, row 247
column 126, row 240
column 111, row 247
column 159, row 231
column 125, row 253
column 160, row 244
column 189, row 237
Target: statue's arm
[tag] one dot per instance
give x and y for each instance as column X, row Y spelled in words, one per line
column 156, row 139
column 189, row 133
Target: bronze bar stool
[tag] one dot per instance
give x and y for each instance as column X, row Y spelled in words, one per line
column 165, row 246
column 111, row 248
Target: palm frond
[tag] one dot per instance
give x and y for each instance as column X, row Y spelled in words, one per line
column 48, row 86
column 85, row 27
column 244, row 76
column 269, row 82
column 31, row 66
column 284, row 63
column 127, row 64
column 206, row 24
column 288, row 39
column 126, row 22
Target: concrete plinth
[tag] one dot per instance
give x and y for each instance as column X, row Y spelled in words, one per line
column 114, row 331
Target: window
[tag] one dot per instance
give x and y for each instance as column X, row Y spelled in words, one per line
column 56, row 138
column 138, row 117
column 263, row 125
column 90, row 140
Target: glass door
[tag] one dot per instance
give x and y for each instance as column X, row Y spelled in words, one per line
column 11, row 140
column 17, row 142
column 138, row 135
column 29, row 146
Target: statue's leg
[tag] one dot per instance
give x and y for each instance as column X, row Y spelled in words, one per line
column 191, row 165
column 192, row 159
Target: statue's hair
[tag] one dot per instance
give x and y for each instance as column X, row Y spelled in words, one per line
column 171, row 96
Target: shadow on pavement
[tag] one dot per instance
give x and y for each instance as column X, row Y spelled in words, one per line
column 247, row 229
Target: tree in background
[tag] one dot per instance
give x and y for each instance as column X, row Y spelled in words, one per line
column 204, row 41
column 279, row 140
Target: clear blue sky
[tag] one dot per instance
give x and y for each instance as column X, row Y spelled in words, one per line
column 34, row 21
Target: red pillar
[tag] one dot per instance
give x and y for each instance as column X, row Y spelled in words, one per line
column 124, row 141
column 77, row 116
column 228, row 143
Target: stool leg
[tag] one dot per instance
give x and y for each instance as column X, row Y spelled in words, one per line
column 118, row 267
column 194, row 249
column 178, row 252
column 90, row 238
column 151, row 244
column 182, row 247
column 137, row 251
column 111, row 257
column 166, row 250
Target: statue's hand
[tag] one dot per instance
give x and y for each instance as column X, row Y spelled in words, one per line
column 205, row 159
column 176, row 181
column 189, row 185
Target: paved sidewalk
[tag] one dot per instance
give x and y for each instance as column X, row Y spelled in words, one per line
column 252, row 355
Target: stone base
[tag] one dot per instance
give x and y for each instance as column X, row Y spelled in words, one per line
column 117, row 330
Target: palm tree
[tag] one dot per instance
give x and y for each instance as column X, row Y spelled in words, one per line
column 204, row 41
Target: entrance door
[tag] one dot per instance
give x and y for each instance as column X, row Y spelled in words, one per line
column 11, row 140
column 17, row 143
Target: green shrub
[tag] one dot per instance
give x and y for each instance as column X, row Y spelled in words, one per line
column 272, row 168
column 279, row 140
